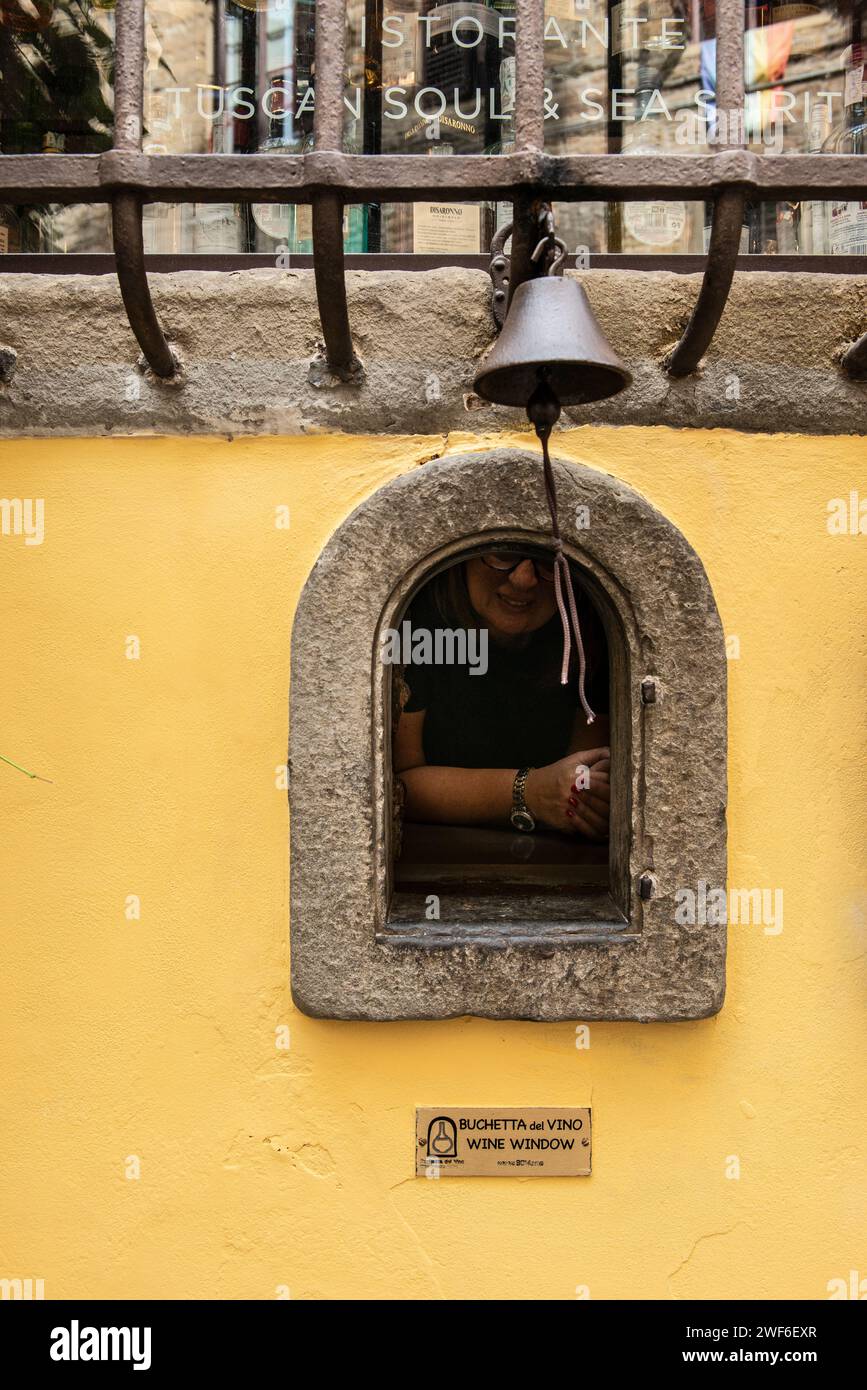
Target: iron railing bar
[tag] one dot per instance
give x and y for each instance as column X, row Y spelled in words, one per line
column 730, row 61
column 330, row 74
column 529, row 131
column 52, row 178
column 327, row 204
column 524, row 240
column 126, row 205
column 530, row 75
column 728, row 206
column 405, row 178
column 129, row 57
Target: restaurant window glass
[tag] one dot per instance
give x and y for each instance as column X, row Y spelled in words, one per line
column 434, row 79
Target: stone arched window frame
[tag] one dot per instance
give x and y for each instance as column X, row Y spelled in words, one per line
column 349, row 960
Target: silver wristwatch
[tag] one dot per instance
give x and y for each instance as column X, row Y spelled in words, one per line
column 520, row 817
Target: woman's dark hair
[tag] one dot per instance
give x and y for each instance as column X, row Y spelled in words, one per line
column 451, row 597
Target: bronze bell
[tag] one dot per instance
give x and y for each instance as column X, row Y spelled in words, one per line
column 551, row 335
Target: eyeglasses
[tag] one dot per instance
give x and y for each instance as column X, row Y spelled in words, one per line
column 507, row 560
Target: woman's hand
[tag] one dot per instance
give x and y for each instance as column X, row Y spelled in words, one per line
column 574, row 794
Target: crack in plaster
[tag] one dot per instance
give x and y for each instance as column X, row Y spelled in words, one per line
column 708, row 1235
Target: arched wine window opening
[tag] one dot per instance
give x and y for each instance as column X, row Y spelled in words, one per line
column 486, row 704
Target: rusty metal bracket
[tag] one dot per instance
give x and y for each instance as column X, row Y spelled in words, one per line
column 722, row 255
column 649, row 690
column 728, row 206
column 327, row 204
column 126, row 205
column 126, row 211
column 499, row 271
column 329, row 272
column 548, row 257
column 854, row 359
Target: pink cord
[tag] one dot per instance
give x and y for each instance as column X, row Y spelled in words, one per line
column 563, row 579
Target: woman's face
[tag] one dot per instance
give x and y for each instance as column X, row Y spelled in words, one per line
column 512, row 604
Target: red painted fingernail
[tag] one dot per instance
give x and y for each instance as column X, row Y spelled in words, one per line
column 572, row 801
column 573, row 788
column 570, row 813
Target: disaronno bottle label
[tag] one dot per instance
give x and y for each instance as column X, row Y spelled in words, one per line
column 446, row 227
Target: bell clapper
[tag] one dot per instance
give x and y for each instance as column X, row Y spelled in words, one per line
column 543, row 407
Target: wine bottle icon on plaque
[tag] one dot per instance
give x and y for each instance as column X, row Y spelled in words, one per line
column 442, row 1138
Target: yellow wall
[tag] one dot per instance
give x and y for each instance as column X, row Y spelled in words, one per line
column 156, row 1038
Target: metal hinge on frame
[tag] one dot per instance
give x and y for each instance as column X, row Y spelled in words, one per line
column 500, row 270
column 649, row 690
column 549, row 255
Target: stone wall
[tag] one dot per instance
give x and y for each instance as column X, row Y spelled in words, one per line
column 249, row 342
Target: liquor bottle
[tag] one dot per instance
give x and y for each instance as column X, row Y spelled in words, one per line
column 847, row 221
column 291, row 224
column 439, row 227
column 499, row 214
column 787, row 234
column 463, row 78
column 812, row 213
column 44, row 219
column 10, row 230
column 298, row 236
column 218, row 228
column 664, row 226
column 436, row 226
column 744, row 244
column 775, row 228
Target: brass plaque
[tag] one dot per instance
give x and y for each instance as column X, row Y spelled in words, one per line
column 493, row 1142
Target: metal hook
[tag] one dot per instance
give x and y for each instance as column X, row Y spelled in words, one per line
column 557, row 263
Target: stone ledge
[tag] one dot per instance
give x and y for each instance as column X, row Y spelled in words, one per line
column 248, row 339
